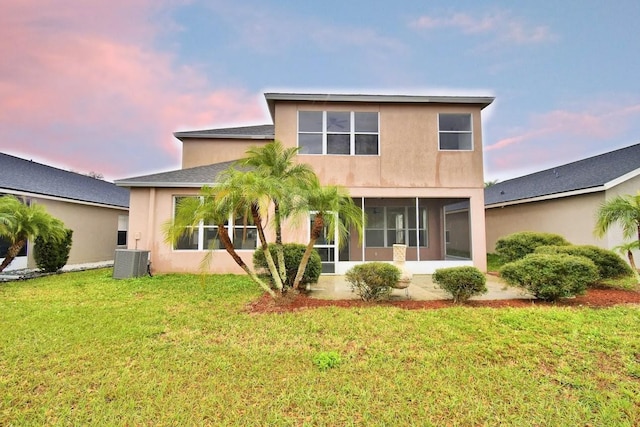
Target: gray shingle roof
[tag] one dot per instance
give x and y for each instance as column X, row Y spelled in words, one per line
column 245, row 132
column 190, row 177
column 580, row 175
column 27, row 176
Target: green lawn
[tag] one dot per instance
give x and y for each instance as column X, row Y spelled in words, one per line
column 85, row 349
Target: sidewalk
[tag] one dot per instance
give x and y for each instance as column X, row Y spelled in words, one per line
column 422, row 288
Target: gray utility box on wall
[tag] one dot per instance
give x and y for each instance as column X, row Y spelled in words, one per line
column 130, row 263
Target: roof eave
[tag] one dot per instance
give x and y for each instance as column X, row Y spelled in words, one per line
column 272, row 98
column 201, row 135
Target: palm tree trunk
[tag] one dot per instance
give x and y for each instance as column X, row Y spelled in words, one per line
column 316, row 230
column 282, row 268
column 231, row 250
column 12, row 253
column 257, row 220
column 632, row 261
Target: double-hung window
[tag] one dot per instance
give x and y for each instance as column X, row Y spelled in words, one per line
column 338, row 132
column 455, row 132
column 204, row 236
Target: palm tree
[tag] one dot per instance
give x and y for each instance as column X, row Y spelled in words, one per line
column 621, row 210
column 624, row 211
column 20, row 222
column 212, row 207
column 273, row 161
column 335, row 212
column 627, row 248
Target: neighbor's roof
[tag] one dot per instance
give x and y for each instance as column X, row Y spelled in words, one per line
column 588, row 175
column 245, row 132
column 191, row 177
column 28, row 177
column 482, row 101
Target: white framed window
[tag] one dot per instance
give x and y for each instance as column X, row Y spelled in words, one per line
column 389, row 225
column 339, row 133
column 455, row 131
column 204, row 236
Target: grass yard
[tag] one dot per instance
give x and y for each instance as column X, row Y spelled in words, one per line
column 85, row 349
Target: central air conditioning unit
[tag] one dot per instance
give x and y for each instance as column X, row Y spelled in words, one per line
column 130, row 263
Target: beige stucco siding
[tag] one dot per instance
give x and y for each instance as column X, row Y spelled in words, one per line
column 571, row 217
column 409, row 154
column 95, row 230
column 201, row 152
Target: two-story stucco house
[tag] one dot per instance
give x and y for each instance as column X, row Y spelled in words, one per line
column 406, row 160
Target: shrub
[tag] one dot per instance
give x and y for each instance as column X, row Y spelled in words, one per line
column 461, row 282
column 550, row 277
column 292, row 256
column 610, row 265
column 51, row 255
column 515, row 246
column 373, row 281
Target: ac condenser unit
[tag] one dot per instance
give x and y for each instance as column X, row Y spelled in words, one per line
column 130, row 263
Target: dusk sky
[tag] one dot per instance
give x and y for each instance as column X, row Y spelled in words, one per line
column 101, row 85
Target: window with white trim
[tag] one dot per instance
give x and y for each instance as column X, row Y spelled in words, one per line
column 455, row 131
column 204, row 236
column 123, row 227
column 338, row 132
column 389, row 225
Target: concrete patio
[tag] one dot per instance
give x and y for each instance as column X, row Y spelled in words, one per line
column 421, row 288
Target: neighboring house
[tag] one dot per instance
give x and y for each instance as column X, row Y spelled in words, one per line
column 404, row 159
column 563, row 200
column 97, row 211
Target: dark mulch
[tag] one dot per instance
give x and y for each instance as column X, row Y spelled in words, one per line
column 594, row 298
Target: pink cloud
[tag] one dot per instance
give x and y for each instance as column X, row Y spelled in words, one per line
column 83, row 85
column 604, row 124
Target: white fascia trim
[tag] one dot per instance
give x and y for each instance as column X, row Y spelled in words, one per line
column 180, row 135
column 621, row 179
column 548, row 197
column 61, row 199
column 163, row 184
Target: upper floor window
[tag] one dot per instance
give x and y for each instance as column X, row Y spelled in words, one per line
column 455, row 132
column 338, row 132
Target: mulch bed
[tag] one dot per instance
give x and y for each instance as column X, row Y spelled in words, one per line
column 594, row 298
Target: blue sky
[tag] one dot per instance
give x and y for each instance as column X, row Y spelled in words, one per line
column 101, row 86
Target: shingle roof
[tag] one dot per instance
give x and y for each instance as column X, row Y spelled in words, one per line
column 584, row 174
column 190, row 177
column 27, row 176
column 245, row 132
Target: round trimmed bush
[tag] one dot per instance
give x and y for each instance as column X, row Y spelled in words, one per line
column 550, row 277
column 373, row 281
column 517, row 245
column 461, row 283
column 609, row 264
column 293, row 253
column 51, row 255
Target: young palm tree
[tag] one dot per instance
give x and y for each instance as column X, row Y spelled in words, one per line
column 627, row 248
column 624, row 211
column 273, row 161
column 335, row 212
column 210, row 208
column 249, row 193
column 621, row 210
column 20, row 222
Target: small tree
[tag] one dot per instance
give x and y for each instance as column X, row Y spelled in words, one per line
column 20, row 222
column 624, row 211
column 51, row 254
column 334, row 212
